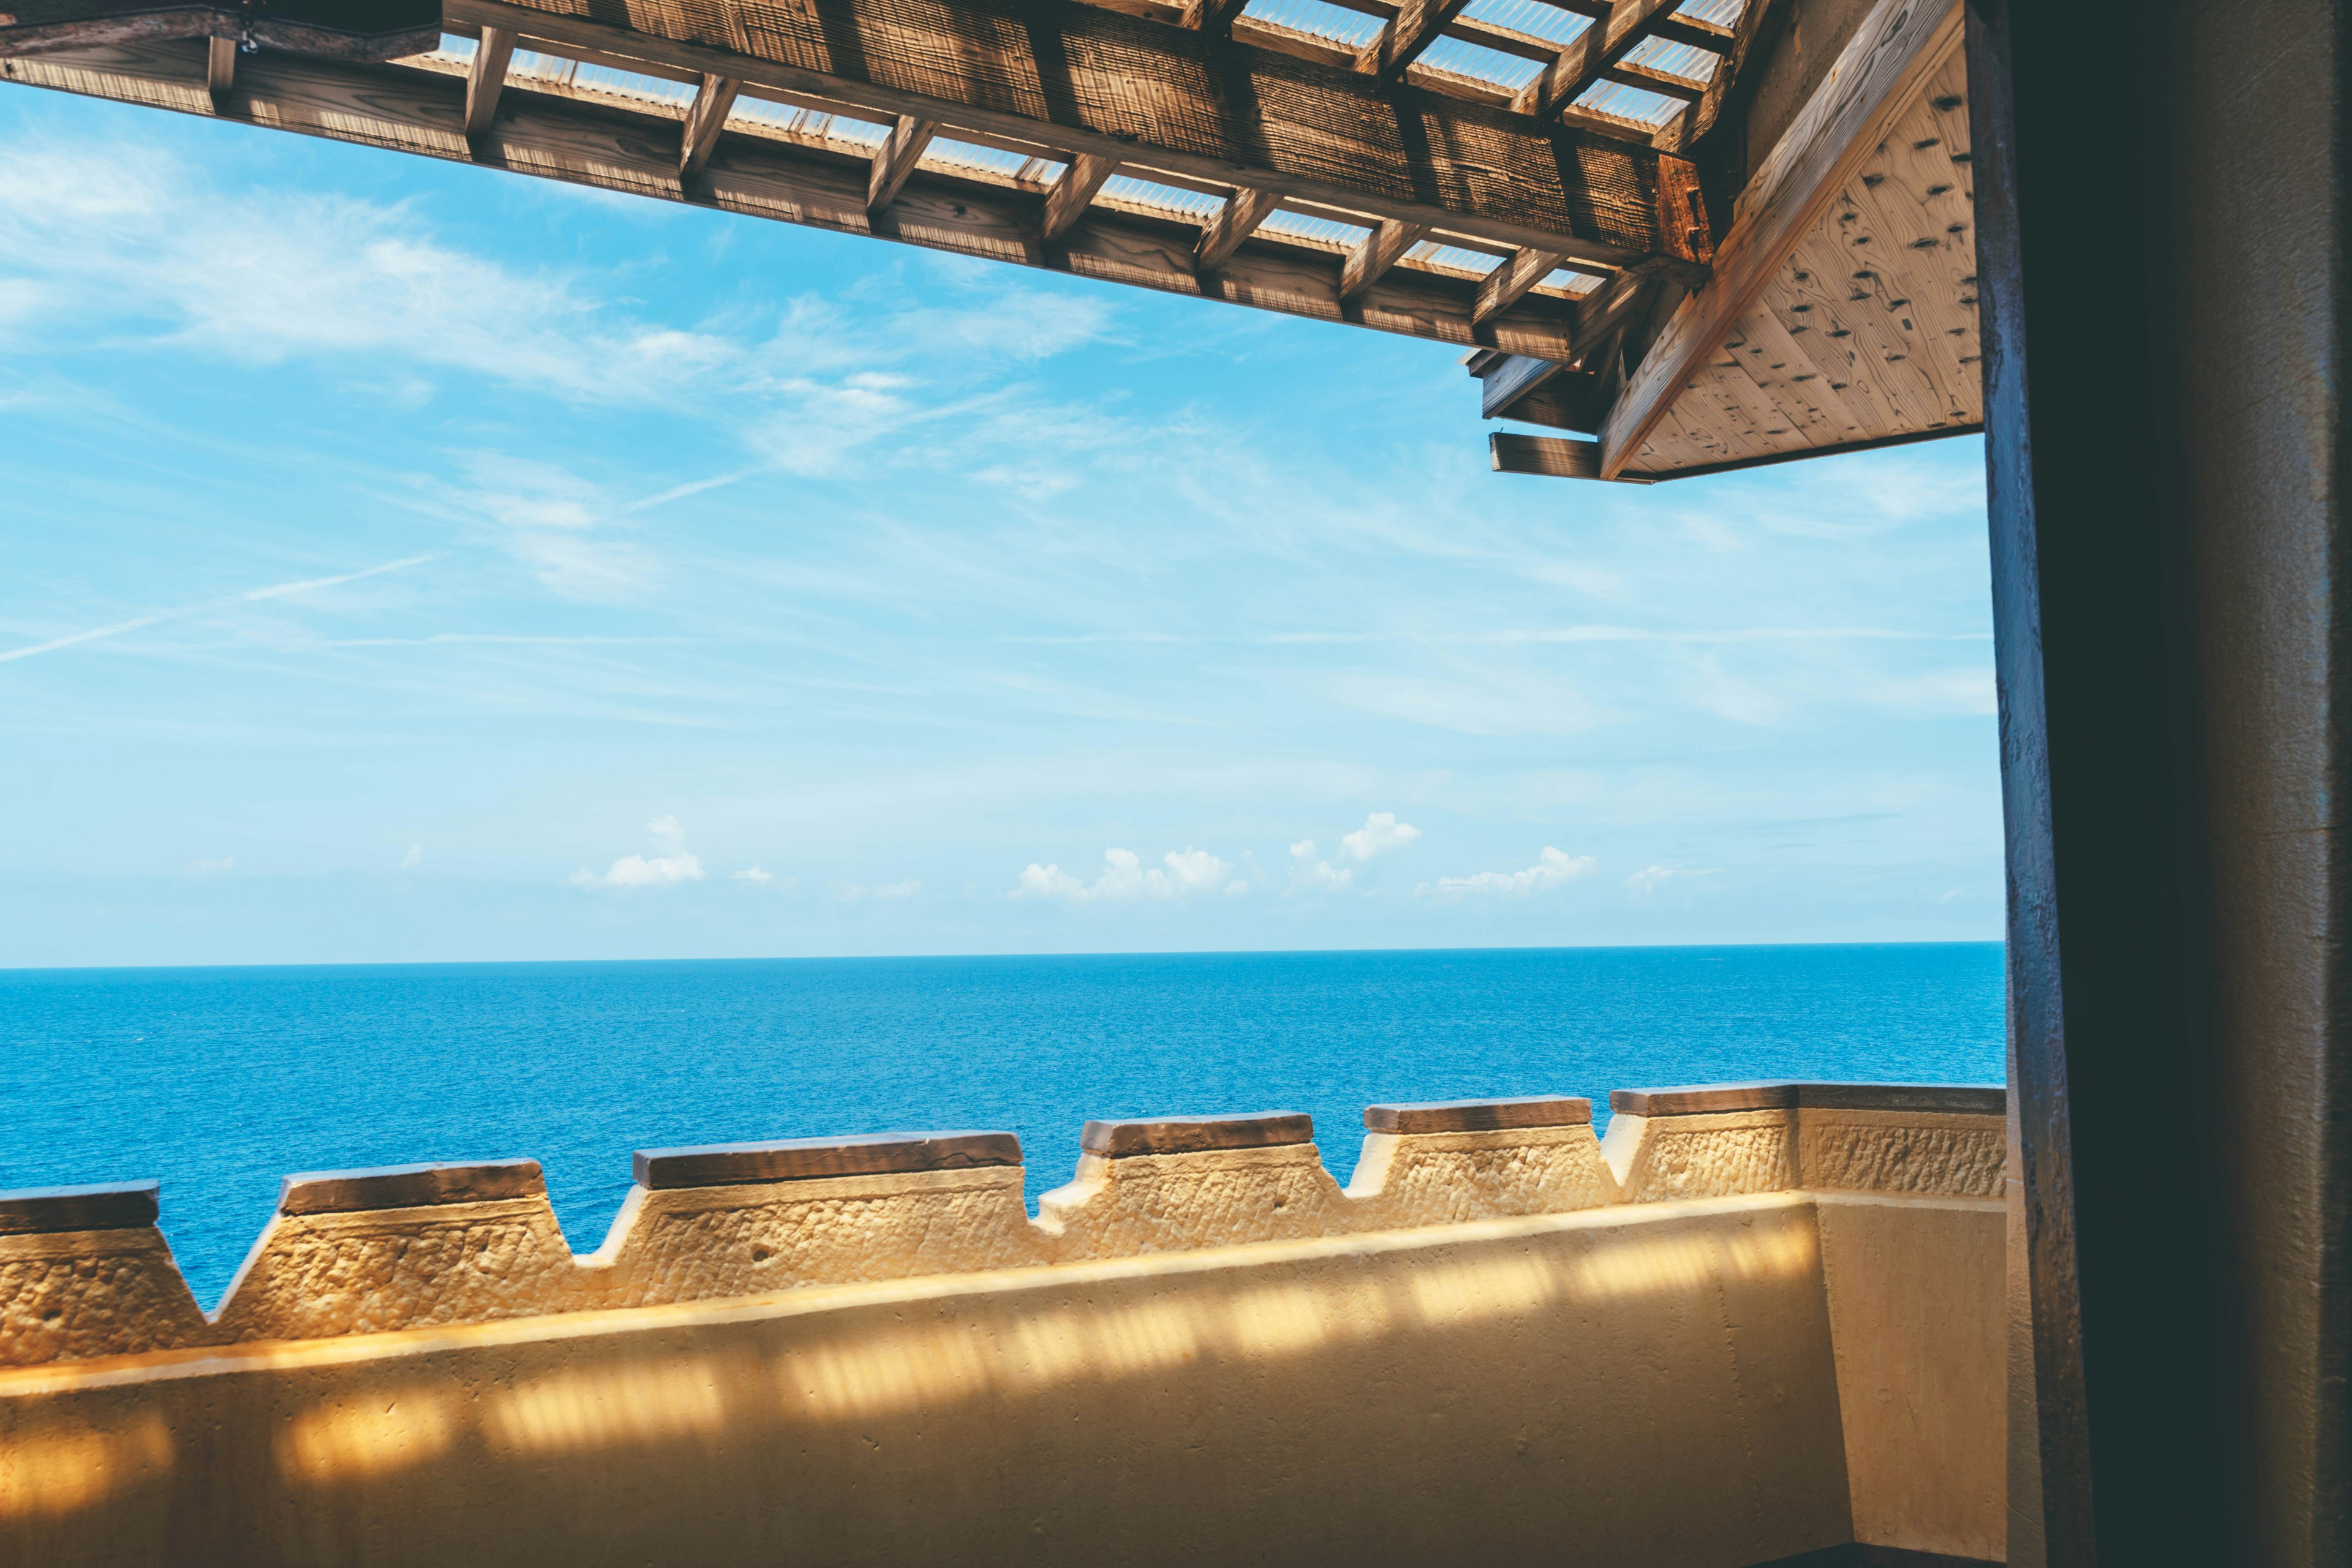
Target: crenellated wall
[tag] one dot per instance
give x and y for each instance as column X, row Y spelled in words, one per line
column 1854, row 1211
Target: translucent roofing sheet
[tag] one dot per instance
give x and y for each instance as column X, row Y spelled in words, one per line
column 1722, row 13
column 838, row 128
column 1638, row 105
column 1458, row 57
column 1352, row 28
column 1692, row 64
column 1191, row 206
column 1532, row 17
column 453, row 47
column 602, row 81
column 1315, row 230
column 1454, row 258
column 953, row 154
column 1570, row 281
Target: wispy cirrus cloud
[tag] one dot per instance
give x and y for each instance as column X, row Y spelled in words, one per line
column 1553, row 868
column 275, row 591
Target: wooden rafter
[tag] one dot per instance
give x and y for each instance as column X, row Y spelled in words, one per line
column 1412, row 29
column 1508, row 284
column 566, row 133
column 1071, row 192
column 1381, row 249
column 895, row 160
column 1587, row 59
column 1236, row 222
column 220, row 66
column 713, row 99
column 1088, row 80
column 486, row 78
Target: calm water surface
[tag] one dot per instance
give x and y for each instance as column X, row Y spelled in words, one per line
column 218, row 1082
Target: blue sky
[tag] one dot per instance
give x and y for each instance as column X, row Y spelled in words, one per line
column 404, row 562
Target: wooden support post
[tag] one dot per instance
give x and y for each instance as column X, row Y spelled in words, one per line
column 1235, row 221
column 220, row 67
column 2167, row 492
column 486, row 78
column 1214, row 18
column 705, row 118
column 1508, row 284
column 1381, row 249
column 1067, row 202
column 895, row 161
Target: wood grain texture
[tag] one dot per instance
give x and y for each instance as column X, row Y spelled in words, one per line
column 705, row 118
column 581, row 142
column 1067, row 202
column 1417, row 25
column 1479, row 1115
column 48, row 1211
column 810, row 1159
column 1236, row 222
column 1196, row 1134
column 1590, row 55
column 408, row 1186
column 1889, row 71
column 1381, row 249
column 1089, row 79
column 486, row 78
column 1508, row 284
column 1546, row 456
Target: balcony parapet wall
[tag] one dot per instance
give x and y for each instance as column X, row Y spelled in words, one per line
column 85, row 1273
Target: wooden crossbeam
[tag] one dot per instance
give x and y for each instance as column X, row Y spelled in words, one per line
column 1758, row 19
column 1588, row 59
column 1412, row 29
column 895, row 160
column 486, row 78
column 1508, row 284
column 705, row 118
column 1236, row 222
column 1381, row 249
column 1632, row 75
column 1088, row 80
column 1897, row 47
column 1067, row 201
column 1551, row 456
column 220, row 67
column 1214, row 17
column 1678, row 28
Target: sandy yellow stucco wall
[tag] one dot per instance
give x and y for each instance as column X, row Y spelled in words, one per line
column 1725, row 1377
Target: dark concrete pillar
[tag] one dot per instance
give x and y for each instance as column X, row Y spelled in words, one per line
column 2162, row 240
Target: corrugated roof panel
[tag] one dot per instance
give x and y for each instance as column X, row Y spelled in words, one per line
column 1458, row 57
column 1454, row 258
column 1315, row 230
column 953, row 154
column 1637, row 105
column 1568, row 281
column 1675, row 60
column 605, row 83
column 1532, row 17
column 862, row 135
column 1722, row 13
column 1352, row 28
column 1191, row 206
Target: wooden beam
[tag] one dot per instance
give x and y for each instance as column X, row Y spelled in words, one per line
column 1508, row 283
column 1067, row 202
column 1873, row 82
column 1415, row 27
column 604, row 145
column 1549, row 457
column 1676, row 27
column 1505, row 381
column 705, row 118
column 1589, row 56
column 1214, row 17
column 1759, row 23
column 1627, row 74
column 1087, row 79
column 1381, row 249
column 895, row 160
column 1235, row 221
column 220, row 67
column 486, row 78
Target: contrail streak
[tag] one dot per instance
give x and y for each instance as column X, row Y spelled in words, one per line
column 275, row 591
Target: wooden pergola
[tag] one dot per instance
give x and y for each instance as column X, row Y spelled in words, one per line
column 1559, row 187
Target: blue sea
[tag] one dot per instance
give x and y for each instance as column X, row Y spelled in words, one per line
column 219, row 1081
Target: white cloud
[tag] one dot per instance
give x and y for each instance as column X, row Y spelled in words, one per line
column 667, row 869
column 1552, row 869
column 1381, row 834
column 1124, row 878
column 1646, row 881
column 753, row 874
column 1309, row 873
column 414, row 859
column 275, row 591
column 206, row 867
